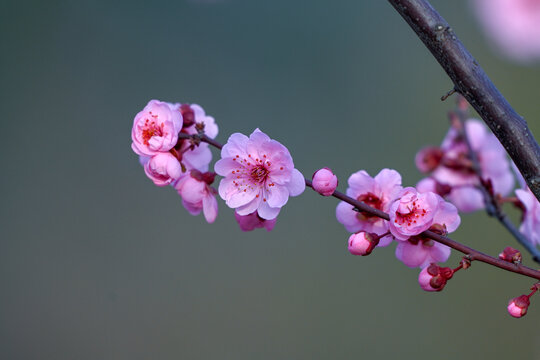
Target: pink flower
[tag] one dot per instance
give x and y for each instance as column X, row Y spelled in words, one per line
column 412, row 213
column 197, row 195
column 254, row 221
column 362, row 243
column 195, row 120
column 162, row 168
column 455, row 168
column 513, row 26
column 434, row 277
column 324, row 181
column 530, row 226
column 517, row 307
column 419, row 251
column 155, row 128
column 376, row 192
column 259, row 175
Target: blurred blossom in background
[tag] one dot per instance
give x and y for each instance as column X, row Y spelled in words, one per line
column 513, row 26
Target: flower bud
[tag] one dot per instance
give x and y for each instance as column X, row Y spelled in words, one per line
column 511, row 255
column 324, row 181
column 517, row 307
column 362, row 243
column 434, row 277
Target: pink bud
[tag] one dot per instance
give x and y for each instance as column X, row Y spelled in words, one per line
column 517, row 307
column 434, row 277
column 511, row 255
column 362, row 243
column 324, row 181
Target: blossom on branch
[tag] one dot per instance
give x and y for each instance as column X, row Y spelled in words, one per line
column 377, row 192
column 253, row 221
column 162, row 168
column 259, row 175
column 197, row 194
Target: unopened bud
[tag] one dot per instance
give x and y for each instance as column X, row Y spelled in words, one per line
column 517, row 307
column 511, row 255
column 363, row 243
column 324, row 181
column 434, row 277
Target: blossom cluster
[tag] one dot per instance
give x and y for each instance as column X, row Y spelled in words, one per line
column 172, row 160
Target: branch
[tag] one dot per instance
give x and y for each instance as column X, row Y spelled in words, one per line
column 472, row 82
column 471, row 253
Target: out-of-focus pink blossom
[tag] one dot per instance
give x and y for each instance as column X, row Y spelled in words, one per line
column 517, row 307
column 362, row 243
column 155, row 128
column 428, row 158
column 418, row 251
column 197, row 194
column 513, row 26
column 253, row 221
column 412, row 213
column 162, row 168
column 259, row 175
column 434, row 277
column 455, row 174
column 530, row 226
column 376, row 192
column 324, row 181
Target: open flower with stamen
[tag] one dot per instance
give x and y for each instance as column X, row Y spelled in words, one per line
column 259, row 175
column 155, row 128
column 377, row 192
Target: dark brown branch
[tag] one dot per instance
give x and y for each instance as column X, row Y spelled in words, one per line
column 472, row 82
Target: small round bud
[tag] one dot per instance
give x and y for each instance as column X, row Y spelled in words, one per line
column 324, row 181
column 511, row 255
column 434, row 277
column 517, row 307
column 428, row 158
column 362, row 243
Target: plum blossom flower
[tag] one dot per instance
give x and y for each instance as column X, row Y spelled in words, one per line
column 253, row 221
column 324, row 181
column 530, row 225
column 155, row 128
column 376, row 192
column 162, row 168
column 259, row 175
column 513, row 26
column 453, row 172
column 197, row 194
column 419, row 251
column 195, row 121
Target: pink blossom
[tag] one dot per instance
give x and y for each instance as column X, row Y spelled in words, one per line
column 162, row 168
column 434, row 277
column 455, row 168
column 517, row 307
column 530, row 225
column 195, row 121
column 259, row 175
column 419, row 251
column 254, row 221
column 362, row 243
column 412, row 213
column 376, row 192
column 197, row 194
column 324, row 181
column 155, row 128
column 513, row 26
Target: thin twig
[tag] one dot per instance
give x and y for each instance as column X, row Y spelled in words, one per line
column 472, row 82
column 471, row 253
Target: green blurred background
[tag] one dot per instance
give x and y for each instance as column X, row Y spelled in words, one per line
column 97, row 263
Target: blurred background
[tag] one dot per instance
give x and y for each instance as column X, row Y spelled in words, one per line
column 98, row 263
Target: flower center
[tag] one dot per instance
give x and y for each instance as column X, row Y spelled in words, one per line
column 259, row 173
column 408, row 213
column 151, row 129
column 373, row 201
